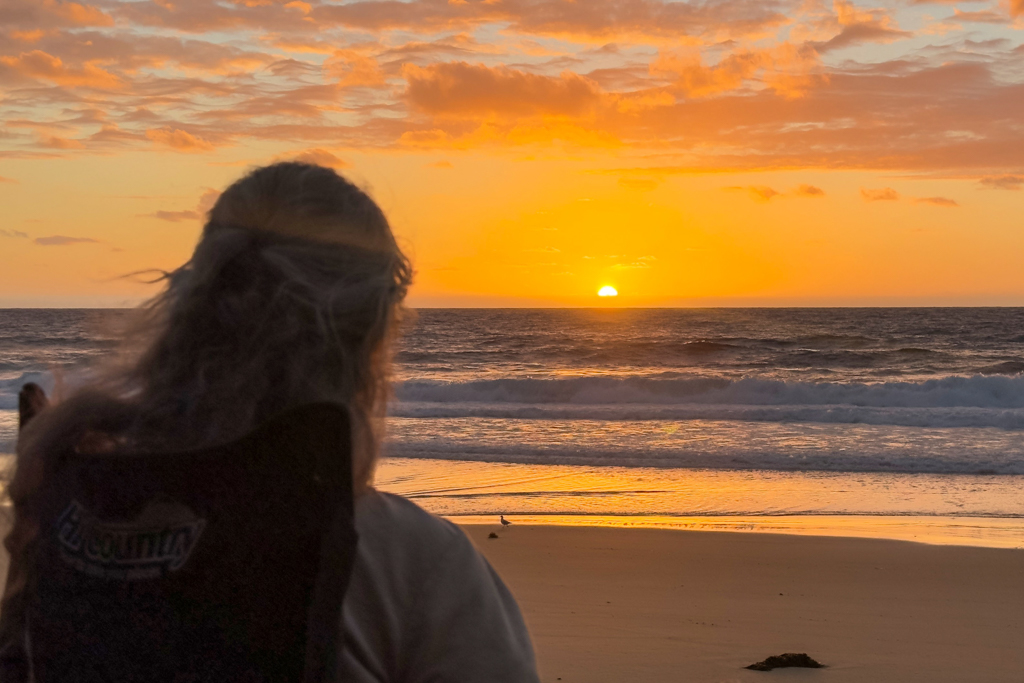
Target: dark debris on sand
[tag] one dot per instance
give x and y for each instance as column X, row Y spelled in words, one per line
column 788, row 659
column 492, row 535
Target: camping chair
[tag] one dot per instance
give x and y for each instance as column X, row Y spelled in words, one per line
column 224, row 564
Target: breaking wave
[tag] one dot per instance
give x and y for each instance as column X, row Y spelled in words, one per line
column 979, row 401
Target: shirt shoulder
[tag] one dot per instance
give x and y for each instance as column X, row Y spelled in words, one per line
column 400, row 529
column 423, row 604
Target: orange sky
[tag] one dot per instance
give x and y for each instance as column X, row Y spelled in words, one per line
column 749, row 152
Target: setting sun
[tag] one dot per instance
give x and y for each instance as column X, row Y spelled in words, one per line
column 607, row 290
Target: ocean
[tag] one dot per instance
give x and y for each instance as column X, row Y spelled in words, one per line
column 895, row 423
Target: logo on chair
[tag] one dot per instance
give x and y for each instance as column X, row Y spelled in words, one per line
column 159, row 540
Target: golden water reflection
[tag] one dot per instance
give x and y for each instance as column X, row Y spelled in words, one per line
column 982, row 510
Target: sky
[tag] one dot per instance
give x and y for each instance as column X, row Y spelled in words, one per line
column 530, row 152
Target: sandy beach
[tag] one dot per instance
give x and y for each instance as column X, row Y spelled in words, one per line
column 612, row 605
column 618, row 605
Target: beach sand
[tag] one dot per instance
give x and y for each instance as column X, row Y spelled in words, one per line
column 652, row 606
column 622, row 605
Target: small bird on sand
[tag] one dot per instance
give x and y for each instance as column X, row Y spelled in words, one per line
column 505, row 522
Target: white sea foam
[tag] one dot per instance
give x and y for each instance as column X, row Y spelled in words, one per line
column 9, row 388
column 1010, row 419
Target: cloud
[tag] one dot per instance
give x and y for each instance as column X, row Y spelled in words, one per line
column 206, row 202
column 440, row 164
column 809, row 191
column 36, row 15
column 61, row 240
column 460, row 89
column 78, row 14
column 891, row 195
column 937, row 201
column 599, row 20
column 861, row 26
column 318, row 157
column 760, row 193
column 787, row 69
column 13, row 233
column 706, row 86
column 1003, row 182
column 763, row 193
column 1016, row 7
column 8, row 180
column 178, row 140
column 55, row 142
column 38, row 65
column 979, row 17
column 352, row 68
column 28, row 36
column 174, row 216
column 884, row 195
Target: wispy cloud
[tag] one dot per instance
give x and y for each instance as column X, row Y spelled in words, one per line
column 759, row 193
column 886, row 194
column 17, row 234
column 763, row 193
column 62, row 240
column 937, row 201
column 179, row 140
column 174, row 216
column 809, row 191
column 206, row 202
column 1003, row 182
column 316, row 156
column 890, row 195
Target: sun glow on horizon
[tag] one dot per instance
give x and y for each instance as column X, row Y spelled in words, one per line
column 607, row 290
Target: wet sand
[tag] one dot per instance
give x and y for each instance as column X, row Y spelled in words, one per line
column 622, row 605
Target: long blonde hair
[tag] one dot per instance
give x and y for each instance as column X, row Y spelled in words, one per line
column 292, row 296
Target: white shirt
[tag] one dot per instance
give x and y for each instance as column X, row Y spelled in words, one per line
column 424, row 606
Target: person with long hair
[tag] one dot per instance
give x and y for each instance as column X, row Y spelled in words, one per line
column 292, row 296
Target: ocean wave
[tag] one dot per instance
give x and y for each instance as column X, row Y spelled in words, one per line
column 9, row 388
column 1007, row 419
column 1004, row 392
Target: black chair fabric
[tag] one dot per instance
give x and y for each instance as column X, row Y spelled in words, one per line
column 227, row 564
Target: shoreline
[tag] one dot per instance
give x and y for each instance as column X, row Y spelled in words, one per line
column 608, row 605
column 967, row 532
column 972, row 510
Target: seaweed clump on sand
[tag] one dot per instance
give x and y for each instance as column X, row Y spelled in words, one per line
column 801, row 659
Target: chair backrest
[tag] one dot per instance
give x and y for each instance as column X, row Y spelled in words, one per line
column 225, row 564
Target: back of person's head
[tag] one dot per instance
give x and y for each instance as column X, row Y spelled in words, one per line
column 291, row 296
